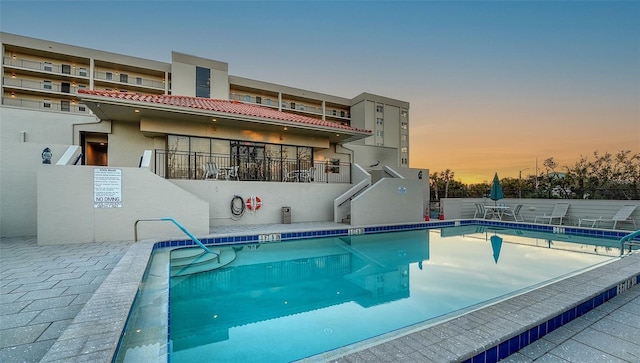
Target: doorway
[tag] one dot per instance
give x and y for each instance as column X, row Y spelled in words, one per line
column 96, row 149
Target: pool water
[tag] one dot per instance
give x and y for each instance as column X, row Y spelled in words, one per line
column 280, row 302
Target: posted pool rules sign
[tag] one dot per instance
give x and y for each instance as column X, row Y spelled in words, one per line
column 107, row 188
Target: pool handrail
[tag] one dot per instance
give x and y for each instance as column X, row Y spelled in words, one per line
column 193, row 238
column 628, row 239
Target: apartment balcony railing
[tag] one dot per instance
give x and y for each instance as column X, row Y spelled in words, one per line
column 37, row 85
column 274, row 103
column 45, row 67
column 130, row 80
column 45, row 106
column 186, row 165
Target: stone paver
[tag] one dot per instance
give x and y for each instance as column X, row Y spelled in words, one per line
column 43, row 288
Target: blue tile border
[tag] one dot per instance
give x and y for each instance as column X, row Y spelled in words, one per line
column 514, row 343
column 287, row 236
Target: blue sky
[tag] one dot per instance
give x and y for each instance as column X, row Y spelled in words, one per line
column 492, row 85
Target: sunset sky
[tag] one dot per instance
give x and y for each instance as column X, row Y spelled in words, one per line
column 493, row 86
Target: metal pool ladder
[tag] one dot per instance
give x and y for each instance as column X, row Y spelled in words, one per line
column 193, row 238
column 628, row 241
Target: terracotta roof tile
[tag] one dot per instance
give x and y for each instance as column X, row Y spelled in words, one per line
column 225, row 106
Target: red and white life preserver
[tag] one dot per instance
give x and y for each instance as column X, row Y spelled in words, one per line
column 254, row 203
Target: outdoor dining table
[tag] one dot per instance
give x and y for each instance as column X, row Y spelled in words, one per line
column 497, row 210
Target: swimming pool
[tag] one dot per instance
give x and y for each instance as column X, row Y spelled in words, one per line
column 288, row 301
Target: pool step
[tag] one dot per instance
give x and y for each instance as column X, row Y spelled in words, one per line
column 187, row 261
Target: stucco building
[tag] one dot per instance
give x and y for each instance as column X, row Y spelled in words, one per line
column 176, row 119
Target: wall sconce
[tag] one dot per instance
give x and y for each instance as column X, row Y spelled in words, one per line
column 285, row 128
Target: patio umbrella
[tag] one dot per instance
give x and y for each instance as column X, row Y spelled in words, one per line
column 496, row 190
column 496, row 244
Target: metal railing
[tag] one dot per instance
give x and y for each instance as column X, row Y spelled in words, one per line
column 131, row 80
column 182, row 228
column 38, row 85
column 191, row 165
column 46, row 67
column 46, row 106
column 628, row 241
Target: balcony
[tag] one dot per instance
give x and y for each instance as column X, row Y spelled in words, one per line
column 25, row 84
column 46, row 67
column 131, row 81
column 186, row 165
column 46, row 106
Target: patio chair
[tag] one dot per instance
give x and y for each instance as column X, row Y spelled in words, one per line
column 233, row 173
column 307, row 176
column 514, row 213
column 623, row 215
column 210, row 170
column 286, row 175
column 480, row 211
column 559, row 212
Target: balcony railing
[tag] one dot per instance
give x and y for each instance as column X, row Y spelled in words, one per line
column 45, row 106
column 37, row 85
column 45, row 67
column 131, row 80
column 186, row 165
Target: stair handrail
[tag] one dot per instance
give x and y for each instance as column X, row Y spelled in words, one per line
column 628, row 240
column 168, row 219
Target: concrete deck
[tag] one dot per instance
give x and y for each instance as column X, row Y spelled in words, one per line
column 53, row 298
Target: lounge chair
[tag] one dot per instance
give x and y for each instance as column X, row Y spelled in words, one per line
column 559, row 212
column 623, row 215
column 210, row 170
column 514, row 213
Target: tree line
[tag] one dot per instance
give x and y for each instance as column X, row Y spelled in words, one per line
column 605, row 176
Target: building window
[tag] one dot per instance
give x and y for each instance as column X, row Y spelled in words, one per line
column 47, row 85
column 82, row 72
column 258, row 99
column 379, row 121
column 203, row 82
column 403, row 137
column 46, row 103
column 404, row 113
column 342, row 113
column 247, row 98
column 403, row 149
column 108, row 76
column 66, row 69
column 380, row 133
column 48, row 67
column 65, row 106
column 379, row 108
column 139, row 81
column 82, row 108
column 403, row 125
column 124, row 78
column 267, row 102
column 293, row 105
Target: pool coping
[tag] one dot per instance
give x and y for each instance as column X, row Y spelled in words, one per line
column 481, row 335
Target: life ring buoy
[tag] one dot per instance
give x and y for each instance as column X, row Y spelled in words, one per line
column 254, row 203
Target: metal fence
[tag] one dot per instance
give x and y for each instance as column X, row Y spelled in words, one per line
column 192, row 165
